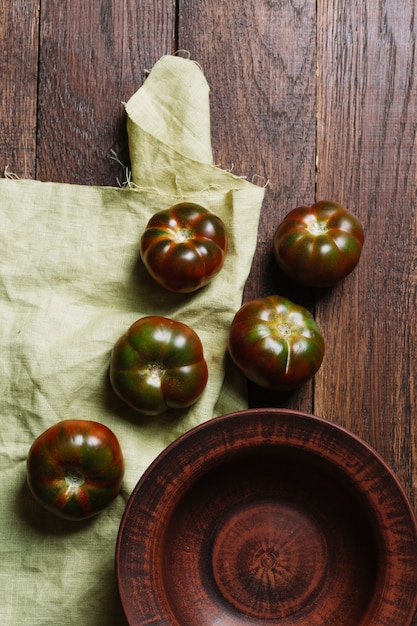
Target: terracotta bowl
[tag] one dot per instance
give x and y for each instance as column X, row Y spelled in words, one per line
column 268, row 517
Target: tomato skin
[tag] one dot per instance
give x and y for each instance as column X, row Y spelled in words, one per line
column 184, row 247
column 319, row 245
column 158, row 364
column 276, row 343
column 75, row 468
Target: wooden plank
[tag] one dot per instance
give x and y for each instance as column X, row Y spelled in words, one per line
column 93, row 56
column 18, row 86
column 367, row 159
column 260, row 60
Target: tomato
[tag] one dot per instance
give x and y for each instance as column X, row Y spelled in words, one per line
column 276, row 343
column 184, row 247
column 75, row 468
column 158, row 364
column 318, row 245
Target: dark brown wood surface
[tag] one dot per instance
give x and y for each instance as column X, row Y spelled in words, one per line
column 317, row 98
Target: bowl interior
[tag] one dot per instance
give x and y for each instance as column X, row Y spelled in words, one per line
column 265, row 538
column 277, row 520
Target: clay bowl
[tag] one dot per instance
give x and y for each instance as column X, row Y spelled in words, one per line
column 268, row 517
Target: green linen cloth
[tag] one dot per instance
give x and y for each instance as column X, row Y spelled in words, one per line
column 71, row 282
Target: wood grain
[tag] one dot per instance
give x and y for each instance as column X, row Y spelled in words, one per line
column 93, row 56
column 18, row 86
column 259, row 58
column 367, row 160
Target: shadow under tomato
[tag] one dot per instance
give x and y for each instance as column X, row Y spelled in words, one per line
column 276, row 282
column 261, row 398
column 147, row 296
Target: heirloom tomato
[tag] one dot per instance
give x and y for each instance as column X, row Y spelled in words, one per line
column 184, row 247
column 158, row 364
column 318, row 245
column 277, row 344
column 75, row 468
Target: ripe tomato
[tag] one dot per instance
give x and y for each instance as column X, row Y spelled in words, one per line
column 277, row 344
column 75, row 468
column 318, row 245
column 184, row 247
column 158, row 364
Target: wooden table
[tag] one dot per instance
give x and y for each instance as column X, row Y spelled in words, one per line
column 317, row 98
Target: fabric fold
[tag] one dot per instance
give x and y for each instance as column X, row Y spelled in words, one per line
column 173, row 107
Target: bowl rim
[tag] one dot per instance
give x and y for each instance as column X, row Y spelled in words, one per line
column 290, row 420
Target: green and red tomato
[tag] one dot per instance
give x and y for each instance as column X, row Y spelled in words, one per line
column 276, row 343
column 184, row 247
column 75, row 468
column 157, row 364
column 318, row 245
